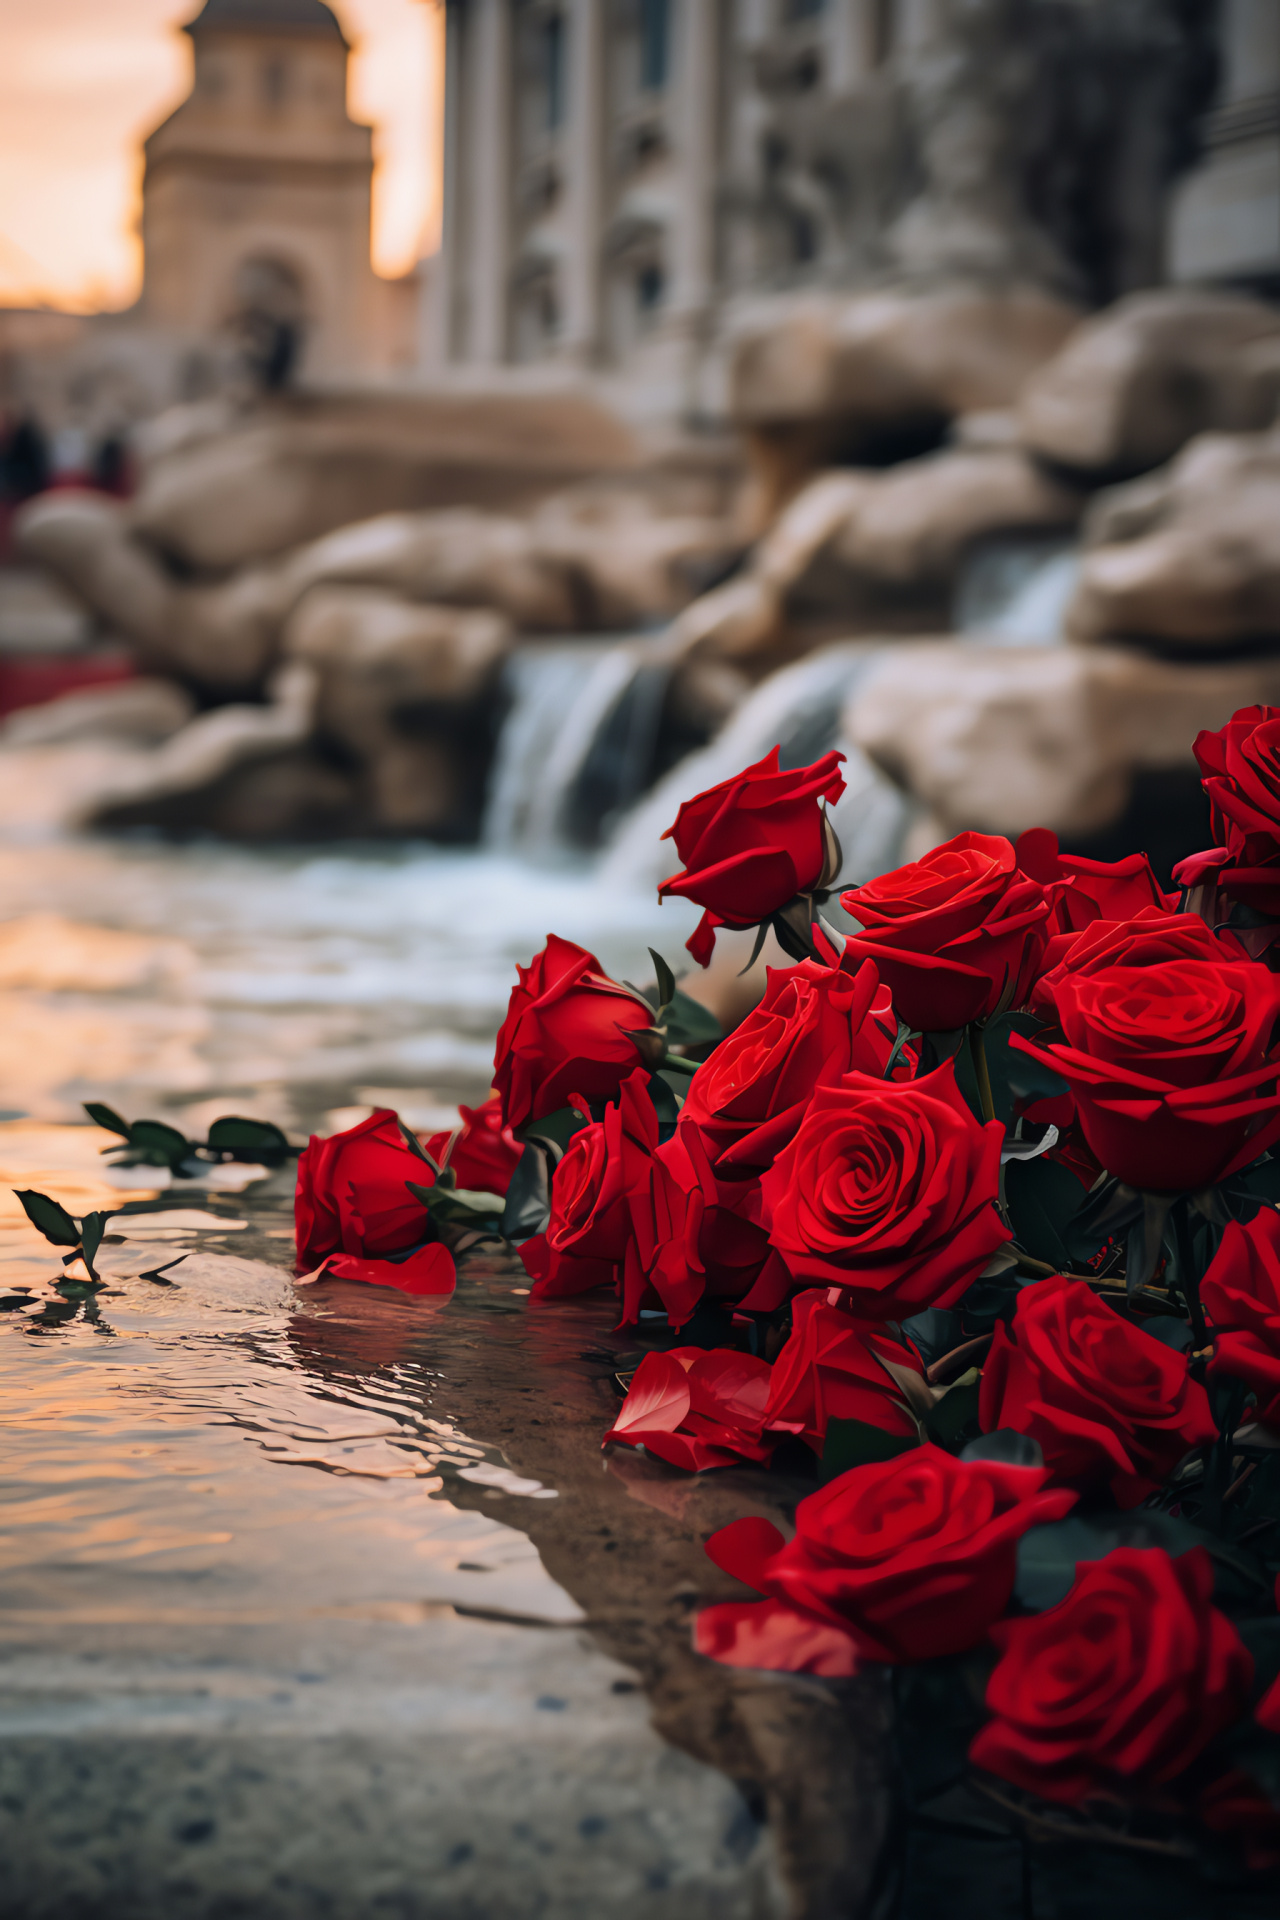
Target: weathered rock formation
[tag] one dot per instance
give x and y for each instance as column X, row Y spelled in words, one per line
column 1134, row 384
column 1187, row 560
column 822, row 378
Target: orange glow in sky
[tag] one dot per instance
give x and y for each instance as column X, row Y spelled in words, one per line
column 83, row 81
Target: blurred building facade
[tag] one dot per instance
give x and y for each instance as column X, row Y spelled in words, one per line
column 621, row 175
column 257, row 198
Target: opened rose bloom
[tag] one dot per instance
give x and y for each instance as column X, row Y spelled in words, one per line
column 1240, row 768
column 1123, row 1684
column 354, row 1211
column 569, row 1030
column 837, row 1367
column 1241, row 1295
column 1168, row 1045
column 751, row 844
column 1083, row 890
column 905, row 1559
column 1107, row 1402
column 814, row 1024
column 888, row 1192
column 585, row 1241
column 957, row 936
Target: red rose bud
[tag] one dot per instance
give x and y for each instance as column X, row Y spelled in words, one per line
column 1123, row 1684
column 814, row 1024
column 908, row 1559
column 585, row 1242
column 1167, row 1046
column 1087, row 890
column 1240, row 1293
column 835, row 1367
column 750, row 845
column 1107, row 1402
column 485, row 1153
column 352, row 1195
column 888, row 1191
column 696, row 1409
column 1240, row 769
column 956, row 936
column 569, row 1030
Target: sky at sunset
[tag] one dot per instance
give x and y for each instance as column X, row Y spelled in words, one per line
column 82, row 82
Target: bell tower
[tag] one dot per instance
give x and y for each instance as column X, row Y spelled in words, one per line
column 256, row 195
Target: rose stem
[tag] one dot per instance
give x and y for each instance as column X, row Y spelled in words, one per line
column 978, row 1052
column 1187, row 1280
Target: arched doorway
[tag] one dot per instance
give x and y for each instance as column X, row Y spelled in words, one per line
column 269, row 320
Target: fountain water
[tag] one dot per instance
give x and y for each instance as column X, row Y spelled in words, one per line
column 1014, row 590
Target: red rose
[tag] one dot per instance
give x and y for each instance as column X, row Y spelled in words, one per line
column 1124, row 1682
column 585, row 1241
column 663, row 1266
column 485, row 1153
column 1241, row 1295
column 912, row 1558
column 835, row 1367
column 1087, row 890
column 1167, row 1047
column 352, row 1195
column 750, row 845
column 1105, row 1400
column 696, row 1409
column 888, row 1191
column 1240, row 773
column 814, row 1024
column 569, row 1030
column 956, row 936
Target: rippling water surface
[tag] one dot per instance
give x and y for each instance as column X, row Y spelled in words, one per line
column 186, row 1443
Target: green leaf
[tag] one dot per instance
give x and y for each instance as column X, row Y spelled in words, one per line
column 460, row 1206
column 247, row 1140
column 676, row 1063
column 855, row 1443
column 53, row 1221
column 558, row 1127
column 955, row 1418
column 528, row 1204
column 107, row 1118
column 1043, row 1197
column 155, row 1138
column 92, row 1228
column 416, row 1147
column 665, row 978
column 1049, row 1555
column 690, row 1024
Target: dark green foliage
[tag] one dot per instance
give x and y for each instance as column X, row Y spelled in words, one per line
column 853, row 1443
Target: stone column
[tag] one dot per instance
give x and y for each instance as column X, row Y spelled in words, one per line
column 695, row 129
column 1225, row 216
column 489, row 179
column 584, row 171
column 437, row 340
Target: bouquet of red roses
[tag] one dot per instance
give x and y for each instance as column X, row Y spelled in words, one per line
column 977, row 1210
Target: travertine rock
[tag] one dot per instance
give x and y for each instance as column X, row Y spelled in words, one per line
column 632, row 562
column 1000, row 739
column 458, row 556
column 1134, row 384
column 143, row 712
column 1188, row 559
column 859, row 548
column 406, row 690
column 817, row 377
column 292, row 473
column 83, row 539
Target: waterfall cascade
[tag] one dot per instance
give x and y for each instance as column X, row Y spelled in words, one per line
column 1014, row 590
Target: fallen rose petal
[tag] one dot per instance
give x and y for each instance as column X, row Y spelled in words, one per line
column 769, row 1635
column 657, row 1400
column 428, row 1271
